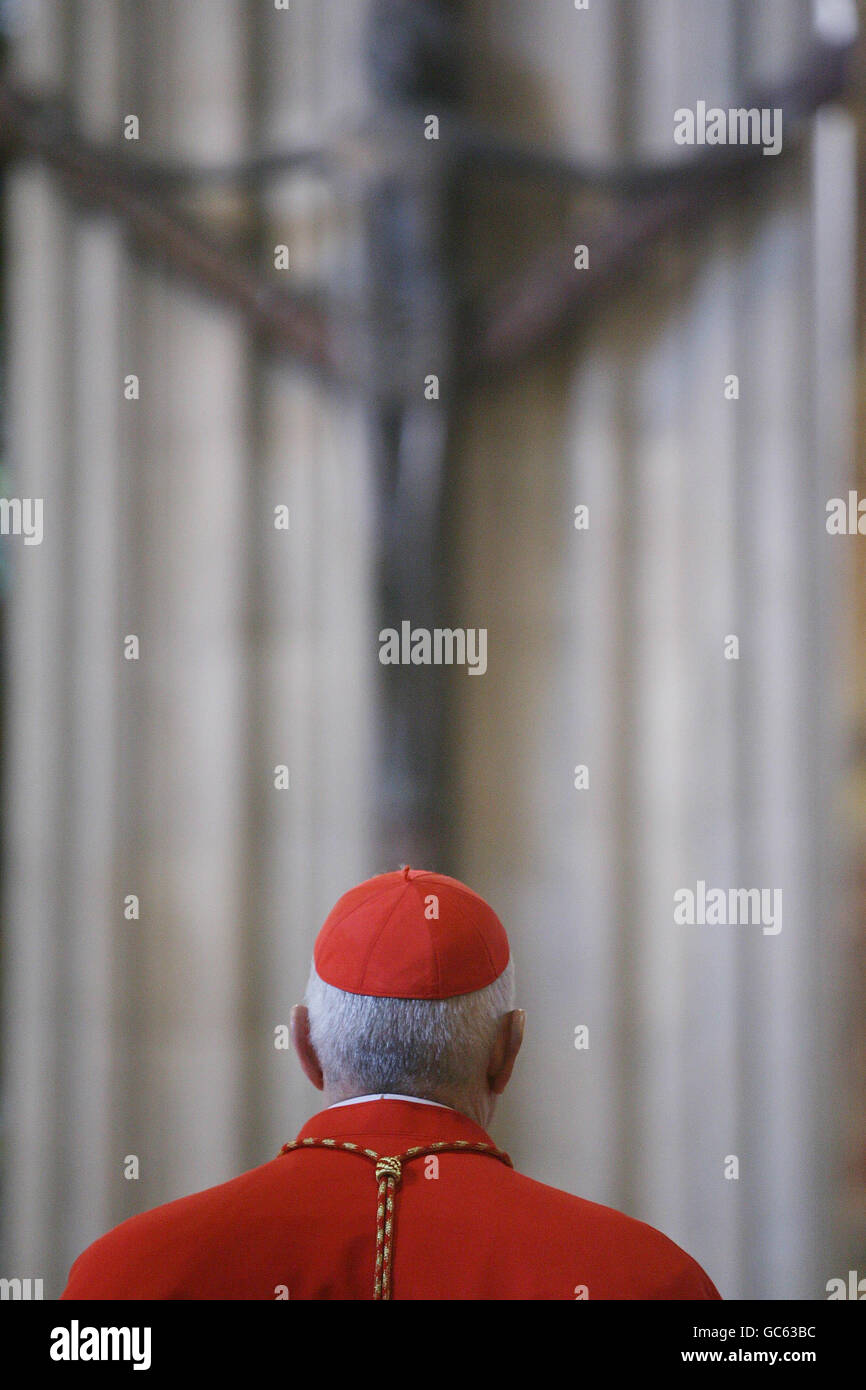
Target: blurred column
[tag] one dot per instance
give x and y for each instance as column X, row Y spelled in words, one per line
column 93, row 1147
column 182, row 593
column 313, row 604
column 550, row 596
column 154, row 1037
column 38, row 943
column 606, row 649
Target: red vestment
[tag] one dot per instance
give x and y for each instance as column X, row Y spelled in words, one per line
column 466, row 1226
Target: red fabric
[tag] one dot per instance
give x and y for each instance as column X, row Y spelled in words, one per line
column 411, row 935
column 307, row 1220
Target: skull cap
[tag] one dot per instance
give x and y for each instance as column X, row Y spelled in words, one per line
column 411, row 934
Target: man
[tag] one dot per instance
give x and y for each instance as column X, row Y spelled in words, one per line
column 395, row 1189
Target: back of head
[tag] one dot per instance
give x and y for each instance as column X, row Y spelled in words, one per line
column 433, row 1048
column 411, row 978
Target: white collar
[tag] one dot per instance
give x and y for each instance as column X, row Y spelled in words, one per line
column 362, row 1100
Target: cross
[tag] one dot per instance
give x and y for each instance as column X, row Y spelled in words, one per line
column 414, row 53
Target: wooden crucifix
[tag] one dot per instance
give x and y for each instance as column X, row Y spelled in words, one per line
column 423, row 347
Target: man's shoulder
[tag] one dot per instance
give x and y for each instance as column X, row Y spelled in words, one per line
column 611, row 1243
column 152, row 1252
column 208, row 1239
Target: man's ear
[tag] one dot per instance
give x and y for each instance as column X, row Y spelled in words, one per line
column 505, row 1050
column 300, row 1030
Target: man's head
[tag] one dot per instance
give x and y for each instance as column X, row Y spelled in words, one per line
column 411, row 991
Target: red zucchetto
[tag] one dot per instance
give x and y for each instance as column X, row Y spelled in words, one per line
column 411, row 935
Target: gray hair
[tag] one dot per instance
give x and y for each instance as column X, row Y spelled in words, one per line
column 409, row 1046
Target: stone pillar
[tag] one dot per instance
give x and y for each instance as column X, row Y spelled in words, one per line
column 154, row 1037
column 606, row 649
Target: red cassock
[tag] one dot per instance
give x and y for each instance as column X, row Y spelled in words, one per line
column 465, row 1226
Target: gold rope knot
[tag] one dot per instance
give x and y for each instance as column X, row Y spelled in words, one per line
column 389, row 1171
column 388, row 1168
